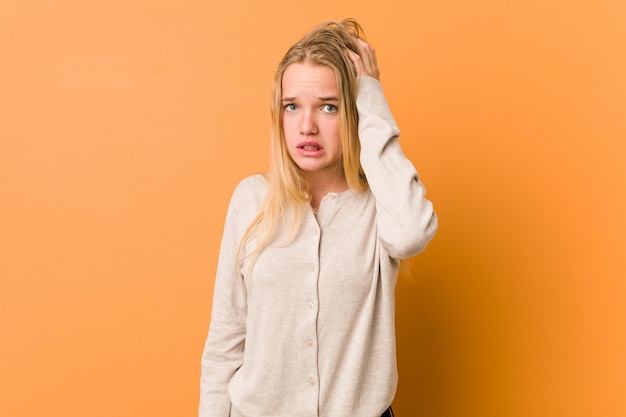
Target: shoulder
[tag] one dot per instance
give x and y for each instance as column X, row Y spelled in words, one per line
column 252, row 184
column 250, row 192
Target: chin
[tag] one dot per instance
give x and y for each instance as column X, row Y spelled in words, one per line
column 308, row 168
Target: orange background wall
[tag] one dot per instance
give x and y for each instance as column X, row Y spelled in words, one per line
column 125, row 125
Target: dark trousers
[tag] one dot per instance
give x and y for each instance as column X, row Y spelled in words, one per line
column 388, row 413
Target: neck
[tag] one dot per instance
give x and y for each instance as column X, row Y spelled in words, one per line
column 324, row 184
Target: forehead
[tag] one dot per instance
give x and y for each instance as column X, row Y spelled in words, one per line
column 307, row 78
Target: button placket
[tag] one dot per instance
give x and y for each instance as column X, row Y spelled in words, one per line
column 310, row 272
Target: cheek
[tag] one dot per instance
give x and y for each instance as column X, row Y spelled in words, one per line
column 333, row 133
column 289, row 128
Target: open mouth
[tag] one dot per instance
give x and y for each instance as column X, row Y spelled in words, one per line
column 310, row 147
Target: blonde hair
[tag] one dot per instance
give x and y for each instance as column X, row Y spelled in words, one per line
column 288, row 189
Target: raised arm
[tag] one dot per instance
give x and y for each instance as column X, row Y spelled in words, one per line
column 405, row 219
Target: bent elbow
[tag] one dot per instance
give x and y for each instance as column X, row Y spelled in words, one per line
column 411, row 241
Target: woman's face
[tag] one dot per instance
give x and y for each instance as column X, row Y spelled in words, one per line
column 310, row 101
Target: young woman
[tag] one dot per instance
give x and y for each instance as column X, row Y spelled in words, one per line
column 303, row 309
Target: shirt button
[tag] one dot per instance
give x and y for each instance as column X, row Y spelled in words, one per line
column 311, row 381
column 312, row 267
column 309, row 343
column 311, row 304
column 315, row 231
column 333, row 196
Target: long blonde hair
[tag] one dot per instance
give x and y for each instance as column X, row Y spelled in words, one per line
column 288, row 189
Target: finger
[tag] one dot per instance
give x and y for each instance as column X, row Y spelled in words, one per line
column 356, row 61
column 368, row 58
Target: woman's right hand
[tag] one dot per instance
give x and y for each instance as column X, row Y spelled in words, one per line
column 365, row 62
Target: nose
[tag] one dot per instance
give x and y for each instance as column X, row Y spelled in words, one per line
column 308, row 124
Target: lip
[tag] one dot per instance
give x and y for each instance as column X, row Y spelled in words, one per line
column 310, row 148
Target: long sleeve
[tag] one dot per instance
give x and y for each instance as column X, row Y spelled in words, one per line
column 405, row 219
column 223, row 351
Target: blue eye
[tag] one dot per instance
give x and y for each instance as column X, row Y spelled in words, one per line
column 290, row 107
column 329, row 108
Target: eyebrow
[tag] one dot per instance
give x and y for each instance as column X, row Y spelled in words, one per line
column 320, row 99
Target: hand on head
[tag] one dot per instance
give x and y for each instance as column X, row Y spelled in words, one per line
column 365, row 61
